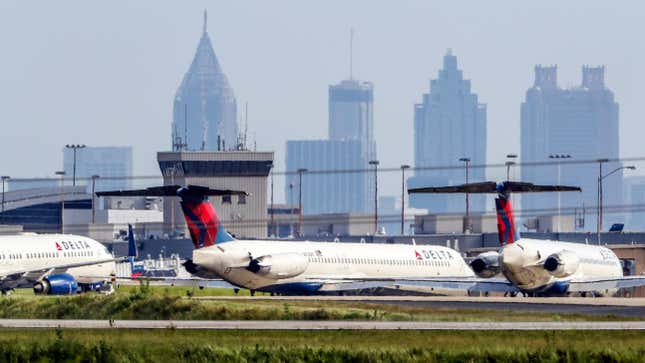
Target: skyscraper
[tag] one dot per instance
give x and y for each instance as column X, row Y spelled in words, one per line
column 449, row 124
column 113, row 165
column 581, row 122
column 205, row 110
column 350, row 147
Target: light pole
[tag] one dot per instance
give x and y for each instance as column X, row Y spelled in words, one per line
column 558, row 157
column 291, row 207
column 508, row 164
column 300, row 171
column 600, row 179
column 467, row 222
column 94, row 177
column 403, row 167
column 375, row 163
column 272, row 226
column 62, row 201
column 4, row 179
column 74, row 148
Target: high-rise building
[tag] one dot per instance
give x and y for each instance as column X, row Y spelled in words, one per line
column 205, row 111
column 345, row 185
column 322, row 191
column 113, row 165
column 581, row 122
column 449, row 124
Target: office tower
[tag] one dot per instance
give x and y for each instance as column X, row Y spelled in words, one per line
column 581, row 122
column 346, row 185
column 205, row 111
column 327, row 192
column 449, row 124
column 113, row 165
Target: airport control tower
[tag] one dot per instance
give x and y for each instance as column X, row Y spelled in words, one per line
column 238, row 170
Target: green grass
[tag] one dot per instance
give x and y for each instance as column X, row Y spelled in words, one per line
column 145, row 302
column 329, row 346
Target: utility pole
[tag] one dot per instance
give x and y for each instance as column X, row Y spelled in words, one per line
column 557, row 157
column 272, row 226
column 94, row 177
column 300, row 171
column 375, row 163
column 467, row 222
column 600, row 179
column 62, row 200
column 4, row 179
column 403, row 167
column 74, row 148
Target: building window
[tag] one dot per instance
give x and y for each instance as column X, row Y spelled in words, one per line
column 241, row 199
column 226, row 199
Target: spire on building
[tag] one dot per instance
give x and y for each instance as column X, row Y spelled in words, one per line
column 205, row 21
column 207, row 99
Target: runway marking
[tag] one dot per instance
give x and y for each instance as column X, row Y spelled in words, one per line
column 312, row 325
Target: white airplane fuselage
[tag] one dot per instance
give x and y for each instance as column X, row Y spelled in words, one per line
column 301, row 264
column 33, row 252
column 523, row 263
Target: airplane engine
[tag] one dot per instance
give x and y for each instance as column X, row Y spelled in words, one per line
column 279, row 266
column 60, row 284
column 486, row 264
column 562, row 264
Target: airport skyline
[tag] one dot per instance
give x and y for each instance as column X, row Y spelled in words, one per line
column 159, row 53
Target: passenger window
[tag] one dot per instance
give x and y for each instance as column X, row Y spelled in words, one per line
column 226, row 199
column 241, row 199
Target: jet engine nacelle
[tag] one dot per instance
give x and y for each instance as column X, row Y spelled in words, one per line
column 562, row 264
column 279, row 266
column 60, row 284
column 486, row 264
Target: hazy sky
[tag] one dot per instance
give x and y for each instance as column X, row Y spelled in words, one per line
column 106, row 73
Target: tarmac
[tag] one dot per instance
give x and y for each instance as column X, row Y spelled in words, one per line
column 312, row 325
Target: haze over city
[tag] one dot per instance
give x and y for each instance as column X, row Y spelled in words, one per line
column 75, row 72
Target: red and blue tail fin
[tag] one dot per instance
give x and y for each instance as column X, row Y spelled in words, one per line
column 203, row 224
column 505, row 222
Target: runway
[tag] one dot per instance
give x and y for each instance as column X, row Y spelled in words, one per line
column 627, row 307
column 312, row 325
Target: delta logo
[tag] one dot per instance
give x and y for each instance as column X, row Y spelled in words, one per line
column 73, row 245
column 433, row 255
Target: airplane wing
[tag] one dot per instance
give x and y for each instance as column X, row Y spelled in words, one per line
column 599, row 284
column 473, row 284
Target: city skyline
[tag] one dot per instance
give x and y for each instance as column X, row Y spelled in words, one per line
column 143, row 82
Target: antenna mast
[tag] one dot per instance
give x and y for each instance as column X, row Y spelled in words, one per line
column 351, row 53
column 246, row 123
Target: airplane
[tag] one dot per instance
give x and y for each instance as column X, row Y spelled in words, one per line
column 54, row 264
column 540, row 267
column 303, row 267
